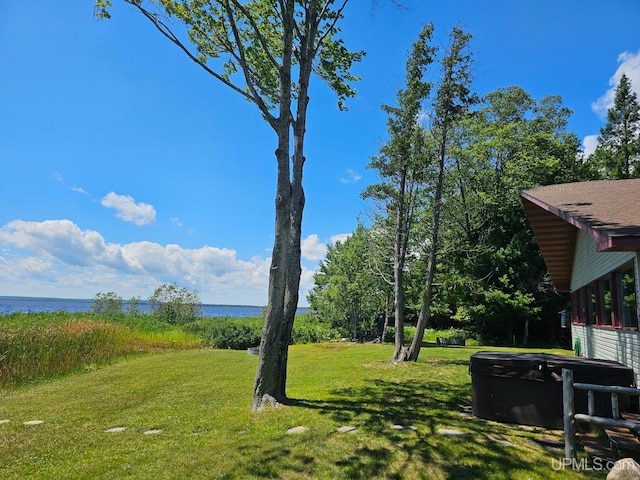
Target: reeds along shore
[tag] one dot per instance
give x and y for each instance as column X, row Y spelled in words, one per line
column 38, row 346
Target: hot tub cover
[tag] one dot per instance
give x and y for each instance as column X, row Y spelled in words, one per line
column 543, row 367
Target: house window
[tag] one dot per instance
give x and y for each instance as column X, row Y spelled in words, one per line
column 608, row 302
column 627, row 297
column 590, row 290
column 606, row 305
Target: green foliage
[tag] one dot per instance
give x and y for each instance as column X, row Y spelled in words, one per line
column 245, row 332
column 409, row 332
column 430, row 335
column 497, row 314
column 107, row 304
column 347, row 295
column 134, row 306
column 246, row 45
column 491, row 279
column 175, row 306
column 618, row 151
column 308, row 329
column 236, row 334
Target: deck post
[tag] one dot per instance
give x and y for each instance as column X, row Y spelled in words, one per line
column 615, row 409
column 569, row 421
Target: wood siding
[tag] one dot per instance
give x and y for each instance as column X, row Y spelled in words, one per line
column 605, row 343
column 588, row 265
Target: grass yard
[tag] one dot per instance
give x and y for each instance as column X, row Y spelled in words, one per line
column 186, row 415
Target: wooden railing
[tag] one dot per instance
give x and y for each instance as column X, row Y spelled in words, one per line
column 570, row 417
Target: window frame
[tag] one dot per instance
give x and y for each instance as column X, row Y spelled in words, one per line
column 586, row 312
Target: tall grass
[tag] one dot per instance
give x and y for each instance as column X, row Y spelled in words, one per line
column 38, row 346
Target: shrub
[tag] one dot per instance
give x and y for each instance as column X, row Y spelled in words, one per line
column 245, row 332
column 175, row 306
column 307, row 329
column 134, row 306
column 107, row 304
column 409, row 332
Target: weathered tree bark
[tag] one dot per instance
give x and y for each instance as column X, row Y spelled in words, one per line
column 291, row 227
column 269, row 382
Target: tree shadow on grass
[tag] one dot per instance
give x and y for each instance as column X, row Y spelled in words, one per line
column 377, row 450
column 427, row 405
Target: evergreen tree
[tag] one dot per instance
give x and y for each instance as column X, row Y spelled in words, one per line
column 618, row 151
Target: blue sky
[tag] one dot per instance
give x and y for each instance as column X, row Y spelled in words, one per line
column 125, row 166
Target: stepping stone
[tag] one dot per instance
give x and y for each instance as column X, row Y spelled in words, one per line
column 298, row 429
column 501, row 441
column 347, row 429
column 451, row 432
column 153, row 432
column 33, row 422
column 403, row 428
column 4, row 421
column 116, row 430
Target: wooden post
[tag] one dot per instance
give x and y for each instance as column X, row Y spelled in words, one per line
column 569, row 422
column 615, row 409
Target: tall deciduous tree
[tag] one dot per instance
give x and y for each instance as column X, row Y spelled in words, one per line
column 401, row 166
column 492, row 263
column 618, row 151
column 266, row 51
column 346, row 293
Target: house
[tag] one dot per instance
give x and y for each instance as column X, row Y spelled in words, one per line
column 589, row 236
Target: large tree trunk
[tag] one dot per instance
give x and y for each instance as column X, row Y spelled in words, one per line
column 286, row 289
column 268, row 387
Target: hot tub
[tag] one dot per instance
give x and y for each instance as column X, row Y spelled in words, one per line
column 526, row 388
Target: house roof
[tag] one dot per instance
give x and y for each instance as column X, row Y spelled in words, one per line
column 607, row 209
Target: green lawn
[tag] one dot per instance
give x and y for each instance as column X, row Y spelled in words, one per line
column 198, row 402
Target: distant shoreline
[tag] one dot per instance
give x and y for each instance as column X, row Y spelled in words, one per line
column 11, row 304
column 90, row 300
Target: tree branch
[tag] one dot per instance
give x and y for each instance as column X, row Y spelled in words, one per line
column 259, row 35
column 162, row 27
column 246, row 70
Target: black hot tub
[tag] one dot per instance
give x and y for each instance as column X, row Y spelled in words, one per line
column 526, row 388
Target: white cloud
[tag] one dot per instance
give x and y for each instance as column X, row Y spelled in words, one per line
column 589, row 144
column 57, row 257
column 312, row 248
column 350, row 176
column 629, row 65
column 128, row 210
column 340, row 237
column 79, row 190
column 176, row 221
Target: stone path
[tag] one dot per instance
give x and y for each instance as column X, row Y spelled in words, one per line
column 351, row 429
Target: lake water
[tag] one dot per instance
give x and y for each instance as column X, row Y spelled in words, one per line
column 37, row 304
